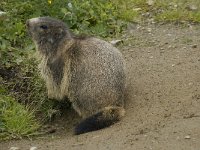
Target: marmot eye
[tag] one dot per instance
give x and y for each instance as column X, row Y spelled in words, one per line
column 43, row 27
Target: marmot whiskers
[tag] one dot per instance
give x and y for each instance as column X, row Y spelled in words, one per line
column 87, row 70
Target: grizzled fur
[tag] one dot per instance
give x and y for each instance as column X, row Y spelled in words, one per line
column 87, row 70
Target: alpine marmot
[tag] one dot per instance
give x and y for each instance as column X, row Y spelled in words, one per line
column 88, row 71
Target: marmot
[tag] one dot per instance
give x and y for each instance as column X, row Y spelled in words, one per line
column 87, row 70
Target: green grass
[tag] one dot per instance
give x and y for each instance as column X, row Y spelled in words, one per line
column 172, row 11
column 15, row 119
column 180, row 11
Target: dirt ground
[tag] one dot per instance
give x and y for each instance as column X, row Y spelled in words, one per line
column 162, row 99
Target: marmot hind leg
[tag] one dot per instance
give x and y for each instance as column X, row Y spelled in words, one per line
column 100, row 120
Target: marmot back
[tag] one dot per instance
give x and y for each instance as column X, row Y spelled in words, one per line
column 87, row 70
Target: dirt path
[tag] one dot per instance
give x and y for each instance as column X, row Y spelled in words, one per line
column 163, row 97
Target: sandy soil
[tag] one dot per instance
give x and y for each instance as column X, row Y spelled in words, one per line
column 162, row 100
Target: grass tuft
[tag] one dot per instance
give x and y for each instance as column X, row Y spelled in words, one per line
column 16, row 120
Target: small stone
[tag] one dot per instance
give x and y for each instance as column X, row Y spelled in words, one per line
column 169, row 34
column 97, row 136
column 170, row 46
column 187, row 137
column 147, row 14
column 137, row 9
column 70, row 5
column 175, row 6
column 194, row 46
column 14, row 148
column 190, row 83
column 77, row 144
column 51, row 130
column 33, row 148
column 3, row 15
column 191, row 7
column 116, row 42
column 149, row 29
column 150, row 2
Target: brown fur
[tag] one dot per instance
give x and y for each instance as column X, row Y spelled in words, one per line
column 87, row 70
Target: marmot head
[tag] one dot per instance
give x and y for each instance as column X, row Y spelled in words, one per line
column 47, row 31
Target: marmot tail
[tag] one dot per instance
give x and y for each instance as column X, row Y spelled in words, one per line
column 102, row 119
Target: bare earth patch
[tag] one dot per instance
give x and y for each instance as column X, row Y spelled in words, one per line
column 163, row 97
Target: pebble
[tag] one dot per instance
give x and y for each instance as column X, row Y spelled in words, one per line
column 33, row 148
column 116, row 42
column 175, row 6
column 137, row 9
column 194, row 46
column 192, row 7
column 14, row 148
column 51, row 130
column 170, row 46
column 187, row 137
column 78, row 144
column 190, row 83
column 3, row 15
column 169, row 34
column 149, row 29
column 150, row 2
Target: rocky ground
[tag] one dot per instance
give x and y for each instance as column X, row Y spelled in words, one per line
column 162, row 99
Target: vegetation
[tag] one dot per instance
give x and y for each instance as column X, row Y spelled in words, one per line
column 22, row 92
column 15, row 120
